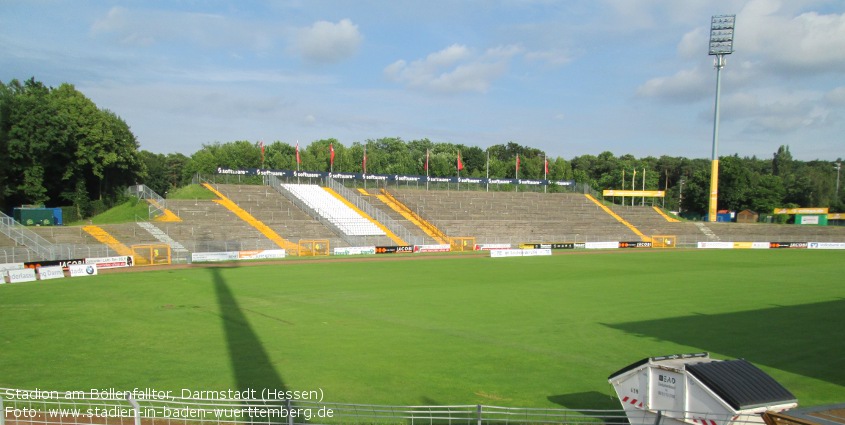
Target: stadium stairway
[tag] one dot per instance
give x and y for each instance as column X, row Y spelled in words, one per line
column 207, row 226
column 515, row 217
column 396, row 239
column 179, row 250
column 166, row 215
column 275, row 210
column 652, row 223
column 107, row 239
column 252, row 221
column 407, row 214
column 376, row 200
column 630, row 226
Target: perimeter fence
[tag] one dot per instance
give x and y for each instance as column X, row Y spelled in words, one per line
column 25, row 407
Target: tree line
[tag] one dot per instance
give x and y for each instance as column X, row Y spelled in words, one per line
column 60, row 149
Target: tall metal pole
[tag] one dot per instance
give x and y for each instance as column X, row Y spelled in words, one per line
column 838, row 167
column 642, row 203
column 714, row 159
column 633, row 176
column 721, row 44
column 488, row 170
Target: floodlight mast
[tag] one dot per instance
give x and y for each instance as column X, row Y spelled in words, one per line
column 721, row 44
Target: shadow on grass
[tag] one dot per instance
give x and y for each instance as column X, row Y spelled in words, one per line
column 252, row 366
column 806, row 339
column 594, row 399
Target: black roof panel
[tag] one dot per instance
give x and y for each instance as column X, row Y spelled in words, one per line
column 741, row 384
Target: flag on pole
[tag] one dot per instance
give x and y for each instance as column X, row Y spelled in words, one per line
column 517, row 165
column 331, row 154
column 298, row 159
column 426, row 169
column 460, row 163
column 364, row 162
column 545, row 171
column 261, row 145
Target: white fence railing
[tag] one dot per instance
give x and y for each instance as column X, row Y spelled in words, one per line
column 21, row 235
column 147, row 406
column 157, row 203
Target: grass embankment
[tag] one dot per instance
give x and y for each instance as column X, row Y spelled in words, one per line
column 191, row 191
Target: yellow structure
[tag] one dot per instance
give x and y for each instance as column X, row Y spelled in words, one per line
column 402, row 209
column 313, row 247
column 636, row 231
column 666, row 216
column 664, row 241
column 107, row 239
column 462, row 243
column 151, row 255
column 386, row 231
column 166, row 216
column 252, row 221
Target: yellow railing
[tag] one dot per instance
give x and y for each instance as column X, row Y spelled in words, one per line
column 107, row 239
column 666, row 216
column 636, row 231
column 265, row 230
column 399, row 207
column 387, row 231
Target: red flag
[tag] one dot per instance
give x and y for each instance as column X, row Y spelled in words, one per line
column 331, row 153
column 261, row 145
column 364, row 162
column 460, row 164
column 298, row 159
column 547, row 165
column 426, row 160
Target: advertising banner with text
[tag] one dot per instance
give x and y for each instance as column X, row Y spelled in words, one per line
column 390, row 178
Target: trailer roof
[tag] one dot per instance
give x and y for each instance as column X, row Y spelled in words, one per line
column 741, row 384
column 675, row 360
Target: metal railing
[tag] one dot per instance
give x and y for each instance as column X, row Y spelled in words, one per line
column 359, row 203
column 23, row 236
column 147, row 406
column 158, row 204
column 278, row 185
column 376, row 214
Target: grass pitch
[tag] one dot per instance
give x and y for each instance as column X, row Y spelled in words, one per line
column 525, row 332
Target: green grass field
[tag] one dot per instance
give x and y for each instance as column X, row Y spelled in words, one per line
column 523, row 332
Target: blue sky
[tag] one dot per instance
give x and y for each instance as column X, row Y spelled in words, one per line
column 570, row 77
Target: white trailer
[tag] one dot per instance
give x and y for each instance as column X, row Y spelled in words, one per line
column 694, row 389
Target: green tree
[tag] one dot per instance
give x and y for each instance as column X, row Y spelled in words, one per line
column 155, row 172
column 61, row 147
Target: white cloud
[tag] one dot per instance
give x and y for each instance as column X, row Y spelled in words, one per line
column 809, row 42
column 776, row 112
column 836, row 96
column 694, row 43
column 454, row 69
column 328, row 42
column 144, row 28
column 554, row 57
column 686, row 85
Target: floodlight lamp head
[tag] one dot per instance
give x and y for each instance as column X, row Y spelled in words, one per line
column 722, row 34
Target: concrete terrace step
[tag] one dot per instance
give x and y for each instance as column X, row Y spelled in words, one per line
column 162, row 237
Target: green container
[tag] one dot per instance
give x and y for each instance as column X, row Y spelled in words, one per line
column 35, row 216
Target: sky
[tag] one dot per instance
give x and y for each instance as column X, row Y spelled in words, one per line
column 570, row 77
